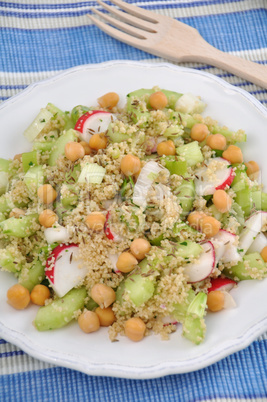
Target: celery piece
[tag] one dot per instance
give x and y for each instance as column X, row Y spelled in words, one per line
column 187, row 249
column 194, row 327
column 231, row 136
column 38, row 124
column 68, row 122
column 34, row 178
column 43, row 146
column 173, row 131
column 252, row 267
column 191, row 153
column 175, row 166
column 24, row 226
column 59, row 145
column 243, row 198
column 186, row 120
column 29, row 159
column 7, row 261
column 259, row 200
column 180, row 309
column 35, row 275
column 3, row 182
column 238, row 213
column 120, row 292
column 4, row 165
column 71, row 198
column 240, row 179
column 185, row 194
column 61, row 311
column 115, row 136
column 77, row 112
column 6, row 203
column 92, row 173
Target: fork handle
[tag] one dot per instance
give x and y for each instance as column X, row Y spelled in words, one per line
column 245, row 69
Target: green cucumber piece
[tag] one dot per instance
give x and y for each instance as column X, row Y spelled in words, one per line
column 35, row 275
column 252, row 267
column 34, row 178
column 38, row 124
column 180, row 309
column 7, row 261
column 4, row 165
column 139, row 288
column 29, row 159
column 259, row 200
column 43, row 146
column 60, row 312
column 194, row 327
column 191, row 153
column 68, row 122
column 174, row 165
column 186, row 194
column 24, row 226
column 78, row 111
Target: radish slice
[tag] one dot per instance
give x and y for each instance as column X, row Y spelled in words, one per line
column 109, row 230
column 57, row 234
column 169, row 320
column 225, row 244
column 205, row 265
column 145, row 181
column 222, row 284
column 253, row 226
column 94, row 122
column 63, row 270
column 114, row 258
column 259, row 243
column 217, row 175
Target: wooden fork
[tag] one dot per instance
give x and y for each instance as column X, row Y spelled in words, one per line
column 171, row 39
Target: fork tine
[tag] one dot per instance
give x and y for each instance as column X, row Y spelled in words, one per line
column 121, row 25
column 138, row 12
column 115, row 33
column 137, row 22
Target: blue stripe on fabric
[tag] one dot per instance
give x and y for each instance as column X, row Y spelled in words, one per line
column 13, row 353
column 56, row 49
column 2, row 341
column 242, row 375
column 90, row 3
column 6, row 87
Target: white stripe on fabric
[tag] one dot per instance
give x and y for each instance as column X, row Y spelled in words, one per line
column 72, row 21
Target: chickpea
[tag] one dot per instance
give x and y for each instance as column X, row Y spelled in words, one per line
column 88, row 321
column 233, row 154
column 130, row 165
column 222, row 201
column 210, row 226
column 166, row 148
column 17, row 157
column 103, row 295
column 18, row 296
column 47, row 218
column 215, row 300
column 126, row 262
column 135, row 329
column 87, row 149
column 95, row 221
column 47, row 193
column 16, row 213
column 194, row 219
column 108, row 100
column 199, row 132
column 158, row 100
column 40, row 294
column 216, row 141
column 106, row 316
column 98, row 141
column 253, row 170
column 139, row 248
column 74, row 151
column 264, row 253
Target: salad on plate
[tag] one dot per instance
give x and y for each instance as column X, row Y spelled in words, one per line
column 140, row 218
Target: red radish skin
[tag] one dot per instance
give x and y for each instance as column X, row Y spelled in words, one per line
column 169, row 320
column 83, row 124
column 227, row 182
column 62, row 270
column 223, row 284
column 111, row 235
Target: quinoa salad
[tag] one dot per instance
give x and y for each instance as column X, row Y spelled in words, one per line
column 139, row 218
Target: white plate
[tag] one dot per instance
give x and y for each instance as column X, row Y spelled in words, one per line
column 227, row 331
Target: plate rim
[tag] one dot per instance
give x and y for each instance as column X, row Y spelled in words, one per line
column 124, row 370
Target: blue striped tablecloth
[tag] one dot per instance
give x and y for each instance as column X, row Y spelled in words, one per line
column 39, row 38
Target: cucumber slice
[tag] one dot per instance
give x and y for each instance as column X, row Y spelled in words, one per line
column 34, row 178
column 186, row 194
column 77, row 112
column 259, row 200
column 252, row 267
column 194, row 327
column 139, row 288
column 191, row 153
column 92, row 173
column 38, row 124
column 34, row 276
column 174, row 165
column 4, row 165
column 60, row 312
column 29, row 159
column 7, row 262
column 24, row 226
column 59, row 145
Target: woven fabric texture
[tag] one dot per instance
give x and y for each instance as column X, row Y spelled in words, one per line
column 39, row 38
